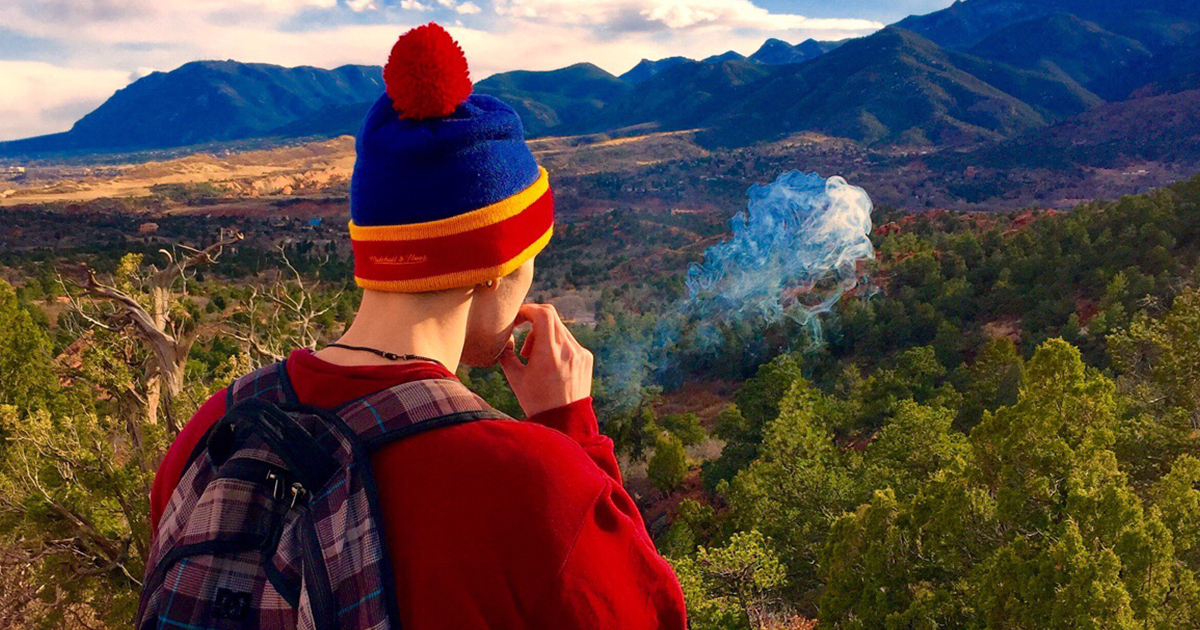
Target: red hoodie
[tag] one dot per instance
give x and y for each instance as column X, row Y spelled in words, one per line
column 491, row 524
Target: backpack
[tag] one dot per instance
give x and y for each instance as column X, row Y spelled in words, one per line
column 275, row 521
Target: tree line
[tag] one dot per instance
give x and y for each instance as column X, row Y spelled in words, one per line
column 1003, row 436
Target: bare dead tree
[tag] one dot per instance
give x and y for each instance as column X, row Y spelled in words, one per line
column 167, row 339
column 285, row 314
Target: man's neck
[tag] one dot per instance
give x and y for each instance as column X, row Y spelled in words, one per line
column 426, row 325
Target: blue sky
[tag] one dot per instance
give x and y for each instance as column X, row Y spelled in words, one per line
column 61, row 58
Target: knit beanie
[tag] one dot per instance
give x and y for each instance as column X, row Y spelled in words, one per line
column 444, row 192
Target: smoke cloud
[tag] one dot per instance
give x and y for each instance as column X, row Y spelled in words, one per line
column 793, row 254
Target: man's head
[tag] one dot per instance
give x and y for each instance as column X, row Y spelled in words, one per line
column 447, row 203
column 491, row 314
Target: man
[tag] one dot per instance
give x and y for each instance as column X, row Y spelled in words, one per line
column 492, row 523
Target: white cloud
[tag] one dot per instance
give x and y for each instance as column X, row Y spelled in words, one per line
column 279, row 7
column 672, row 14
column 140, row 72
column 110, row 11
column 461, row 8
column 74, row 11
column 40, row 98
column 413, row 5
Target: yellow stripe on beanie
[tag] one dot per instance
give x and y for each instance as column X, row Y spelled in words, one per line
column 488, row 215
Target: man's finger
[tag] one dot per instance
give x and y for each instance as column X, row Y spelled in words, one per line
column 564, row 334
column 525, row 316
column 523, row 313
column 545, row 317
column 565, row 341
column 544, row 335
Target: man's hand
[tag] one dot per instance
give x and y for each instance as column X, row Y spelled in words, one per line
column 558, row 370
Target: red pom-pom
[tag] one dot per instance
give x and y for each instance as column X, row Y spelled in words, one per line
column 426, row 74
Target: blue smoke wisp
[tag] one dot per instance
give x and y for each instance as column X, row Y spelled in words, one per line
column 793, row 253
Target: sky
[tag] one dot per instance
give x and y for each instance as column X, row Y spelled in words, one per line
column 59, row 59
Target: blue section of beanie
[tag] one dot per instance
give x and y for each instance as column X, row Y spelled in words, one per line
column 413, row 171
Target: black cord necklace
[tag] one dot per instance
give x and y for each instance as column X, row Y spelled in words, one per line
column 390, row 356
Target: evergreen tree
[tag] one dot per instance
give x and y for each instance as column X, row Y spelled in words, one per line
column 27, row 379
column 668, row 466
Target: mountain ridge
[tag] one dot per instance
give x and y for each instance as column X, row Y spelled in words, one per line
column 897, row 86
column 1156, row 23
column 1055, row 44
column 977, row 71
column 209, row 101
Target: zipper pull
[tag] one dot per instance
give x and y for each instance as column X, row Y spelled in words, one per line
column 277, row 490
column 298, row 491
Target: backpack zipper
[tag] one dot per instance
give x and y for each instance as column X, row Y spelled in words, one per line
column 320, row 592
column 298, row 492
column 279, row 491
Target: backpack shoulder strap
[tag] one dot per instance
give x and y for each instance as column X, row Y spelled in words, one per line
column 382, row 416
column 269, row 383
column 412, row 407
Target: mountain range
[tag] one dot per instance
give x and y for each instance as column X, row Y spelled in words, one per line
column 979, row 71
column 1156, row 24
column 208, row 101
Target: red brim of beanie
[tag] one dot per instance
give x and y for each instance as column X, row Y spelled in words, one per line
column 460, row 251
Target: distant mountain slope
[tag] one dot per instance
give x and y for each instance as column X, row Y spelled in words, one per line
column 778, row 52
column 728, row 55
column 1162, row 128
column 1062, row 43
column 1175, row 69
column 546, row 100
column 895, row 86
column 813, row 48
column 683, row 96
column 645, row 69
column 328, row 122
column 966, row 23
column 1053, row 96
column 1160, row 28
column 772, row 52
column 207, row 101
